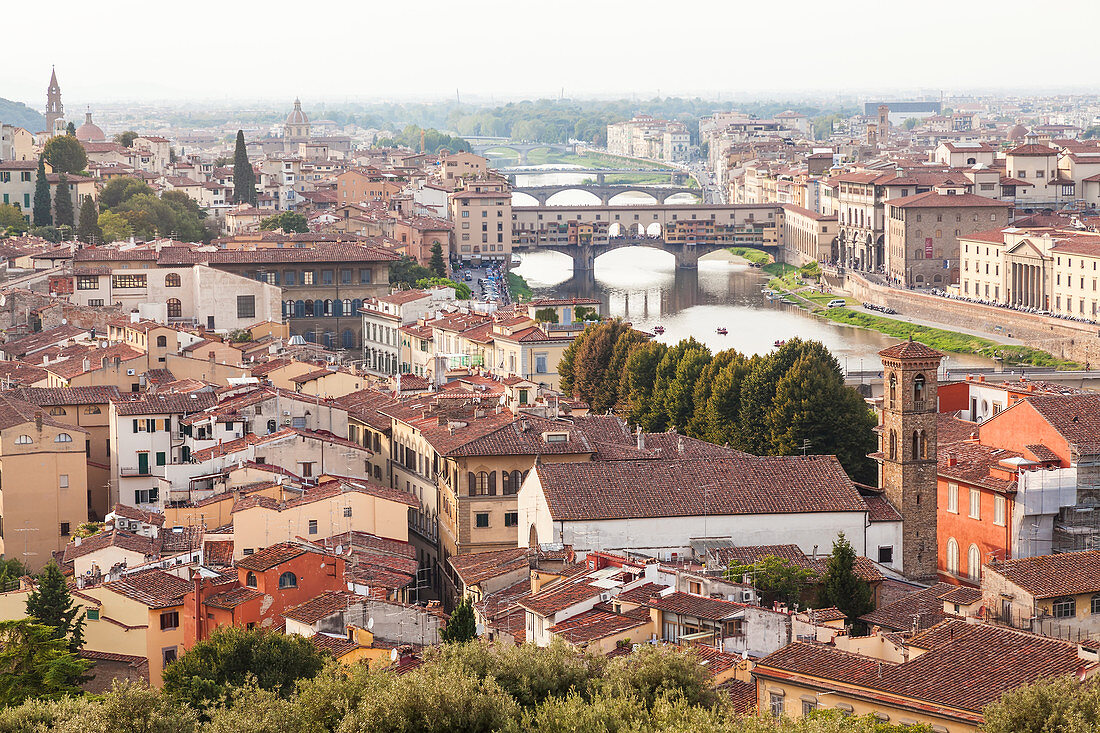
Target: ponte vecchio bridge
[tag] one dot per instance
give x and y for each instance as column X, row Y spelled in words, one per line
column 685, row 231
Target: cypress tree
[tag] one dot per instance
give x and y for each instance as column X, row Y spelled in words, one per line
column 87, row 229
column 63, row 203
column 70, row 129
column 841, row 587
column 437, row 265
column 42, row 214
column 461, row 627
column 244, row 178
column 51, row 605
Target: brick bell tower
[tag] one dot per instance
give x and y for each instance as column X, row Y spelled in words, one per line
column 907, row 450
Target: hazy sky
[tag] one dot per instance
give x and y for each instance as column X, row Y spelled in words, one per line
column 230, row 50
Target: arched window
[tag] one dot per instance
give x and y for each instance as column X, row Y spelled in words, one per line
column 918, row 390
column 893, row 445
column 916, row 446
column 952, row 556
column 162, row 341
column 347, row 307
column 337, row 308
column 1095, row 605
column 63, row 438
column 309, row 309
column 57, row 411
column 299, row 309
column 974, row 563
column 172, row 280
column 272, row 426
column 1065, row 607
column 893, row 388
column 175, row 308
column 506, row 483
column 326, row 338
column 328, row 307
column 23, row 440
column 288, row 580
column 250, row 579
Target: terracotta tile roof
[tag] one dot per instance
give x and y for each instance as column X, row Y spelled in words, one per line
column 641, row 594
column 1032, row 150
column 1047, row 576
column 218, row 553
column 944, row 675
column 933, row 200
column 910, row 350
column 155, row 588
column 594, row 625
column 750, row 554
column 177, row 540
column 337, row 646
column 824, row 615
column 112, row 538
column 923, row 608
column 1075, row 417
column 687, row 604
column 326, row 604
column 742, row 696
column 1041, row 452
column 19, row 374
column 879, row 509
column 273, row 556
column 73, row 364
column 365, row 406
column 155, row 519
column 660, row 487
column 166, row 404
column 230, row 599
column 473, row 568
column 951, row 429
column 971, row 463
column 57, row 396
column 963, row 595
column 38, row 341
column 14, row 411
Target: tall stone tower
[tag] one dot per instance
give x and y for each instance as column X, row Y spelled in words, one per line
column 907, row 454
column 54, row 109
column 883, row 122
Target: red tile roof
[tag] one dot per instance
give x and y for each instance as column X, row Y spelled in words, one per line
column 328, row 603
column 473, row 568
column 688, row 604
column 910, row 350
column 594, row 625
column 155, row 588
column 664, row 488
column 1047, row 576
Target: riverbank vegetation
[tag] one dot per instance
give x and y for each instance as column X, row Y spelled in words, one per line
column 791, row 400
column 519, row 288
column 938, row 338
column 459, row 687
column 750, row 255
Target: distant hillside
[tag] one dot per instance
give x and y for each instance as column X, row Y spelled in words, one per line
column 19, row 114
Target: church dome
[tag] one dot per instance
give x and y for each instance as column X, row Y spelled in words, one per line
column 1017, row 132
column 297, row 116
column 89, row 132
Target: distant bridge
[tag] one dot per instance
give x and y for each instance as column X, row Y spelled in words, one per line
column 605, row 192
column 687, row 255
column 481, row 146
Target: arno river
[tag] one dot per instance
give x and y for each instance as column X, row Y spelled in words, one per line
column 643, row 286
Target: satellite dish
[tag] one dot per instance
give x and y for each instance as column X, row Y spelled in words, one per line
column 339, row 549
column 3, row 300
column 480, row 629
column 393, row 654
column 370, row 624
column 744, row 656
column 64, row 321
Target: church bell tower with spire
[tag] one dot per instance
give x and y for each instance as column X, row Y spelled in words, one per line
column 55, row 111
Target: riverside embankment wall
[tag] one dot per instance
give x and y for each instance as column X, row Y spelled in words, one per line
column 1078, row 342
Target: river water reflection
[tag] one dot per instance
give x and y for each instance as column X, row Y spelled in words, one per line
column 644, row 286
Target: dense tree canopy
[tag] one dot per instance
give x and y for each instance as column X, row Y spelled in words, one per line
column 1062, row 704
column 12, row 219
column 88, row 230
column 173, row 214
column 65, row 154
column 791, row 401
column 43, row 206
column 470, row 688
column 462, row 290
column 775, row 578
column 232, row 655
column 288, row 221
column 434, row 140
column 36, row 664
column 406, row 271
column 437, row 265
column 126, row 138
column 461, row 627
column 244, row 175
column 63, row 203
